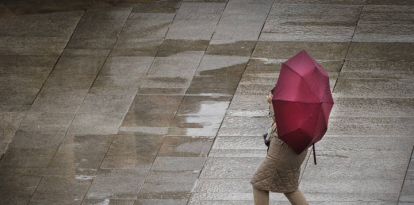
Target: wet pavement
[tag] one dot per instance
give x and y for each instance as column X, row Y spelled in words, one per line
column 163, row 102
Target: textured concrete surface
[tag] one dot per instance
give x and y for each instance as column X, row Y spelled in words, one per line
column 144, row 102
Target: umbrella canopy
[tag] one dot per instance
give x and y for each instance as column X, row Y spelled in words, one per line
column 302, row 102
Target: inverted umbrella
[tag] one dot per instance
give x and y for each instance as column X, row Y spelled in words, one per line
column 302, row 102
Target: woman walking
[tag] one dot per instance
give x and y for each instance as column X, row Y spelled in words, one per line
column 280, row 170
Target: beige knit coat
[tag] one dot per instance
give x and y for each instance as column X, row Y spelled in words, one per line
column 280, row 170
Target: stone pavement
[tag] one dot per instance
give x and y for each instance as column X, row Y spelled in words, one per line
column 163, row 102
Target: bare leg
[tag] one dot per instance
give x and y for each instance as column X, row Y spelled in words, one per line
column 296, row 198
column 260, row 197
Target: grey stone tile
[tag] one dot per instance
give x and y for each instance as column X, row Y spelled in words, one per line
column 193, row 132
column 58, row 100
column 379, row 23
column 204, row 105
column 126, row 66
column 286, row 50
column 86, row 52
column 171, row 47
column 394, row 126
column 185, row 147
column 179, row 65
column 152, row 111
column 96, row 28
column 380, row 51
column 47, row 123
column 59, row 24
column 26, row 64
column 197, row 121
column 31, row 149
column 49, row 46
column 135, row 144
column 146, row 29
column 166, row 83
column 372, row 107
column 117, row 184
column 351, row 189
column 387, row 2
column 406, row 193
column 60, row 190
column 354, row 165
column 246, row 143
column 118, row 81
column 91, row 123
column 91, row 43
column 108, row 201
column 227, row 187
column 374, row 87
column 200, row 11
column 162, row 91
column 136, row 47
column 123, row 93
column 248, row 106
column 242, row 23
column 168, row 185
column 161, row 201
column 178, row 164
column 222, row 66
column 121, row 162
column 213, row 85
column 9, row 123
column 86, row 65
column 157, row 7
column 106, row 103
column 58, row 80
column 151, row 15
column 312, row 22
column 410, row 170
column 82, row 151
column 192, row 29
column 21, row 82
column 108, row 13
column 244, row 126
column 229, row 167
column 17, row 189
column 351, row 2
column 231, row 47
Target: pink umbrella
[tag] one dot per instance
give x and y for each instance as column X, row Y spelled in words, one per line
column 302, row 102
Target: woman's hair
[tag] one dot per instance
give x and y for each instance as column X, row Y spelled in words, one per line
column 273, row 90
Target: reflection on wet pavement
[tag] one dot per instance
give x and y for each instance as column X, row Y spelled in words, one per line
column 163, row 102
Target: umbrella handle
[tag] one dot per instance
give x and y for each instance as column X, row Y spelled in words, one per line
column 314, row 154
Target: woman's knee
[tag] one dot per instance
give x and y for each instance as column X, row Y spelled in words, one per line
column 296, row 198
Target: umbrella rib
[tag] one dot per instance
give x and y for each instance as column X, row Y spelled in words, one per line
column 303, row 80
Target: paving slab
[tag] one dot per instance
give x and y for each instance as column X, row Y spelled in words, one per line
column 91, row 123
column 380, row 51
column 175, row 46
column 117, row 184
column 136, row 47
column 180, row 146
column 49, row 46
column 108, row 201
column 60, row 190
column 168, row 185
column 58, row 100
column 82, row 151
column 229, row 167
column 156, row 7
column 388, row 126
column 222, row 66
column 161, row 201
column 178, row 65
column 126, row 65
column 58, row 24
column 285, row 50
column 311, row 22
column 231, row 47
column 18, row 189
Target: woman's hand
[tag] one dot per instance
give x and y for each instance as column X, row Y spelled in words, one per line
column 269, row 98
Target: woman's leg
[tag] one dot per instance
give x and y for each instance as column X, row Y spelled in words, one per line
column 296, row 198
column 260, row 197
